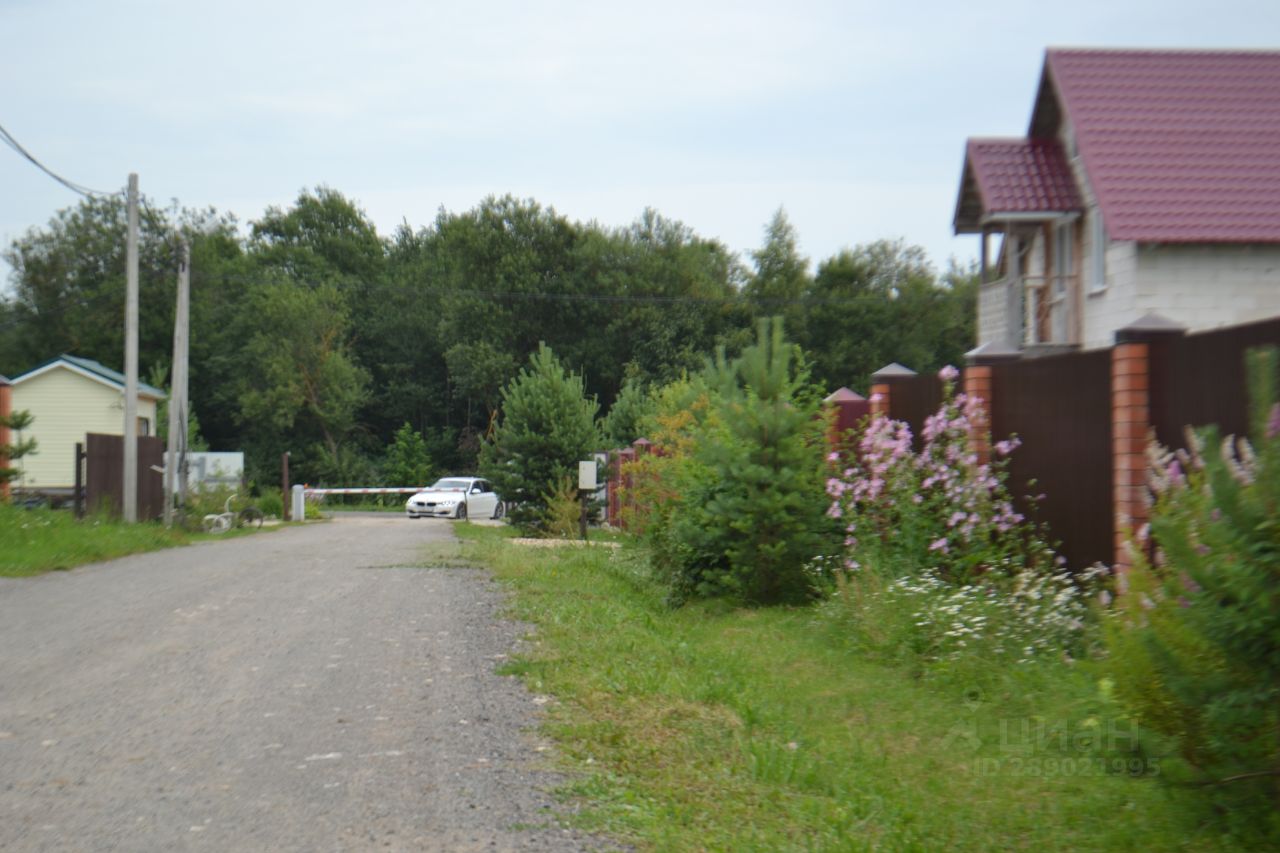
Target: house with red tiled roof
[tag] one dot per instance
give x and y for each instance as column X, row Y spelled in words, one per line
column 1148, row 182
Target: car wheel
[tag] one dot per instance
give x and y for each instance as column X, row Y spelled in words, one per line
column 462, row 512
column 499, row 510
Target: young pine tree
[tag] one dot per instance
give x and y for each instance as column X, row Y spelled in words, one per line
column 548, row 425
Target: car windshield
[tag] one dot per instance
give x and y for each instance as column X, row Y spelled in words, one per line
column 451, row 485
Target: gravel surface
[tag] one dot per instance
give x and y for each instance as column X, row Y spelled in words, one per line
column 308, row 689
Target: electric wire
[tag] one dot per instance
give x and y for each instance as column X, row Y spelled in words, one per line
column 87, row 192
column 628, row 298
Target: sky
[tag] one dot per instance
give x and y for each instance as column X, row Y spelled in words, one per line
column 851, row 116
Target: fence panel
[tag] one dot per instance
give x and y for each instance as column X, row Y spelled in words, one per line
column 104, row 474
column 914, row 398
column 1060, row 407
column 1201, row 380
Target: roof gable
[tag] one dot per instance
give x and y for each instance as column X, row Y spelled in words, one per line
column 1014, row 177
column 90, row 369
column 1179, row 146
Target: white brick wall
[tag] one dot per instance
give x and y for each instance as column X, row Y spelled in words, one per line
column 992, row 327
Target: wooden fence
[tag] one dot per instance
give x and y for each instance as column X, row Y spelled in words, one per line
column 104, row 475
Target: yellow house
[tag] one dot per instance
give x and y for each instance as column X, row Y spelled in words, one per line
column 67, row 398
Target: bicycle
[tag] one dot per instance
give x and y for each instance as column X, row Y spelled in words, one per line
column 221, row 522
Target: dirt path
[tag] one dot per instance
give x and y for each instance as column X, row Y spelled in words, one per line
column 309, row 689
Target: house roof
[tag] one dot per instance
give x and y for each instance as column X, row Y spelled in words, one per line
column 93, row 370
column 1014, row 177
column 1178, row 145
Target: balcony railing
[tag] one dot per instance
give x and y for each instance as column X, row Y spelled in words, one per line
column 1038, row 310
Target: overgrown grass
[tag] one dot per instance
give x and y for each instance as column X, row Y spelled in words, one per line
column 33, row 541
column 710, row 728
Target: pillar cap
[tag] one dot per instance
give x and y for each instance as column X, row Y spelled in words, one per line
column 990, row 353
column 892, row 371
column 1148, row 327
column 642, row 442
column 4, row 380
column 844, row 395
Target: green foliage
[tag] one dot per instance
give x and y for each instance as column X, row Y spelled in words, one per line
column 271, row 502
column 548, row 425
column 882, row 302
column 12, row 452
column 626, row 419
column 749, row 512
column 1195, row 643
column 44, row 540
column 562, row 510
column 408, row 460
column 304, row 382
column 712, row 728
column 427, row 326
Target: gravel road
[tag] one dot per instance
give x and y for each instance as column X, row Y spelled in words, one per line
column 308, row 689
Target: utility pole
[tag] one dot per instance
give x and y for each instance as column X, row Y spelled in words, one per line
column 131, row 358
column 177, row 444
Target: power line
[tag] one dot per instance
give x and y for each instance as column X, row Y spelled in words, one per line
column 634, row 298
column 8, row 139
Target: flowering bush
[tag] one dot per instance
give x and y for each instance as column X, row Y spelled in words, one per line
column 1034, row 616
column 940, row 508
column 1195, row 641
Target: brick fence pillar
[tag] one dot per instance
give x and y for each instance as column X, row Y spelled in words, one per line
column 1133, row 378
column 846, row 411
column 979, row 376
column 6, row 407
column 977, row 386
column 882, row 388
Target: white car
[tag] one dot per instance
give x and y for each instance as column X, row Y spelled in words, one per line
column 456, row 497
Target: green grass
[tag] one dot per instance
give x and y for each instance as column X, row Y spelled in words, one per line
column 712, row 728
column 35, row 541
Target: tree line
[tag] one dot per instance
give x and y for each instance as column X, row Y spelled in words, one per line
column 313, row 333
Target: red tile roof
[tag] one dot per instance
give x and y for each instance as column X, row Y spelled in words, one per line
column 1178, row 146
column 1022, row 176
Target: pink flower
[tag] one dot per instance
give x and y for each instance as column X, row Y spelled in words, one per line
column 1273, row 424
column 948, row 374
column 939, row 545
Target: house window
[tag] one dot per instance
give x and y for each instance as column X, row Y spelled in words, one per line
column 144, row 426
column 1098, row 252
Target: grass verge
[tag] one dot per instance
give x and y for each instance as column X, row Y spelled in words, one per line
column 35, row 541
column 710, row 728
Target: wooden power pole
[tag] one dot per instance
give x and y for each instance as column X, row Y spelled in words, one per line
column 131, row 358
column 177, row 445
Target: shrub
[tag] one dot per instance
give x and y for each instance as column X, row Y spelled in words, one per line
column 1195, row 642
column 548, row 425
column 938, row 509
column 408, row 461
column 746, row 511
column 562, row 510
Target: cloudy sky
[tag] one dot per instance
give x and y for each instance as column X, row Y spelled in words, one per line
column 850, row 115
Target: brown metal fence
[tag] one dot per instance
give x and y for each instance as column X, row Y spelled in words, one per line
column 1060, row 409
column 1201, row 379
column 914, row 398
column 104, row 474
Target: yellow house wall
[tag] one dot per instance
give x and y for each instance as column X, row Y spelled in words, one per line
column 66, row 406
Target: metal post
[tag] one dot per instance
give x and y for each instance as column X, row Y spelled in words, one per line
column 131, row 358
column 284, row 485
column 78, row 497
